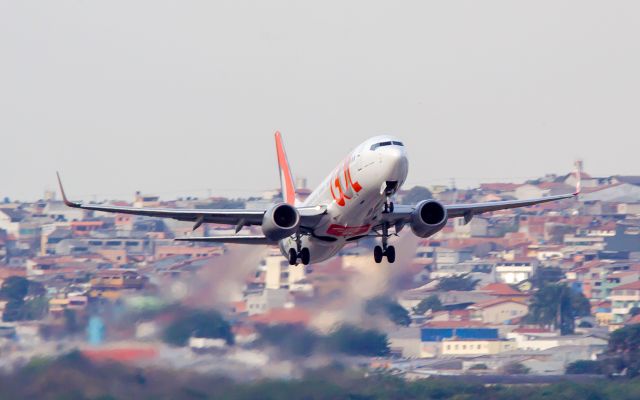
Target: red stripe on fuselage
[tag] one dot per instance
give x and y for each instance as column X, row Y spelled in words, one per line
column 341, row 230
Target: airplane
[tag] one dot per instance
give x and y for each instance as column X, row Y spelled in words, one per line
column 352, row 203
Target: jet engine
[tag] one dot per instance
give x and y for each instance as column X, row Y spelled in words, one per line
column 280, row 221
column 428, row 218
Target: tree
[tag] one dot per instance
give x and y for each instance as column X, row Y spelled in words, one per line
column 198, row 323
column 290, row 339
column 547, row 275
column 584, row 367
column 623, row 350
column 416, row 194
column 558, row 306
column 356, row 341
column 383, row 305
column 432, row 303
column 462, row 282
column 14, row 288
column 515, row 368
column 12, row 311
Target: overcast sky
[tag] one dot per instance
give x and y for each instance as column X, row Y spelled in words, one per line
column 178, row 97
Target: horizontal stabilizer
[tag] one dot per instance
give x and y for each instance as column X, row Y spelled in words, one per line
column 246, row 239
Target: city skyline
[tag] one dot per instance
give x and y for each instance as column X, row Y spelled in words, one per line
column 189, row 99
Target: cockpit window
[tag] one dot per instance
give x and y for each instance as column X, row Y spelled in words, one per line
column 382, row 144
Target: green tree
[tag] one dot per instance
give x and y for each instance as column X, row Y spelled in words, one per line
column 462, row 282
column 515, row 368
column 290, row 339
column 432, row 303
column 198, row 323
column 547, row 275
column 584, row 367
column 416, row 194
column 14, row 288
column 34, row 309
column 383, row 305
column 558, row 306
column 13, row 311
column 352, row 340
column 624, row 350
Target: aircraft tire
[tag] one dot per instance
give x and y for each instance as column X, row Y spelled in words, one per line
column 377, row 254
column 293, row 257
column 391, row 254
column 305, row 256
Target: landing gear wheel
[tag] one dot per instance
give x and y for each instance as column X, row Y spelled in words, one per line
column 305, row 256
column 293, row 257
column 377, row 254
column 391, row 254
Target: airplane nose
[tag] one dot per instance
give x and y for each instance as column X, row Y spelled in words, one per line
column 395, row 163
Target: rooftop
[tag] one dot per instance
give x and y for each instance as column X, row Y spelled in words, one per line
column 629, row 286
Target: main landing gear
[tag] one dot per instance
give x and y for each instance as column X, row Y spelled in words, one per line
column 379, row 252
column 301, row 253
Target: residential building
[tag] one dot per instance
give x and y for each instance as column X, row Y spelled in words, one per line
column 498, row 311
column 623, row 299
column 472, row 348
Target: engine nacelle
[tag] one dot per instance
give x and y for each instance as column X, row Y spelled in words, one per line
column 428, row 218
column 280, row 221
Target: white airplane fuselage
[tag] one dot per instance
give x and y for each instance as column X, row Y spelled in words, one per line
column 354, row 195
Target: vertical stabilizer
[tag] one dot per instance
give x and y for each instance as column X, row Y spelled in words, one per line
column 286, row 177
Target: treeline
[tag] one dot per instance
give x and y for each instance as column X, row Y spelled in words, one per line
column 297, row 341
column 289, row 340
column 74, row 377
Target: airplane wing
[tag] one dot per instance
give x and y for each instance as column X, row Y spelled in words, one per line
column 240, row 239
column 309, row 216
column 402, row 213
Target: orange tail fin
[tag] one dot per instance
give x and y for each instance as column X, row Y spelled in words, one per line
column 286, row 178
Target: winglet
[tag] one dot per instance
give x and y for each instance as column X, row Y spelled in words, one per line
column 286, row 178
column 64, row 196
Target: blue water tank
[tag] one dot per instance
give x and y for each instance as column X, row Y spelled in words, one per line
column 95, row 331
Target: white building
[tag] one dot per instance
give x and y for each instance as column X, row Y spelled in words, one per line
column 259, row 302
column 279, row 274
column 515, row 271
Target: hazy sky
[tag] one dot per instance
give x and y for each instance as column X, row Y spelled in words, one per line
column 176, row 97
